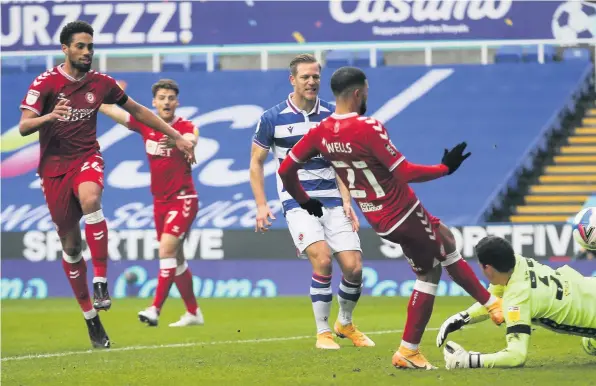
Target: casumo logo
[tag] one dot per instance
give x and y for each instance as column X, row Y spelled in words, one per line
column 35, row 288
column 144, row 287
column 397, row 11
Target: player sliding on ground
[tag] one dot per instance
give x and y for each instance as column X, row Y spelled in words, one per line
column 561, row 300
column 279, row 129
column 377, row 175
column 175, row 200
column 62, row 105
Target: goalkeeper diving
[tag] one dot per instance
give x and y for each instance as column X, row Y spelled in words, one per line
column 561, row 300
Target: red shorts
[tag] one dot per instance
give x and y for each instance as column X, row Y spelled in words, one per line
column 175, row 217
column 62, row 192
column 417, row 235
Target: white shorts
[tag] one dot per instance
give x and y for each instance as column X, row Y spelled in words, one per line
column 334, row 227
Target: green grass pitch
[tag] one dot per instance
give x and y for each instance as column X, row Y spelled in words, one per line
column 258, row 342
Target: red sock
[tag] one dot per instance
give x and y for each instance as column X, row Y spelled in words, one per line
column 167, row 273
column 420, row 309
column 462, row 274
column 183, row 281
column 77, row 276
column 96, row 232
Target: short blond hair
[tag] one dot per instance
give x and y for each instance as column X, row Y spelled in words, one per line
column 302, row 58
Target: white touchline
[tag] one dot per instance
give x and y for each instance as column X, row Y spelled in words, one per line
column 176, row 345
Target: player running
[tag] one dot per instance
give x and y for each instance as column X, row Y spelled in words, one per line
column 377, row 175
column 175, row 200
column 561, row 300
column 336, row 231
column 62, row 105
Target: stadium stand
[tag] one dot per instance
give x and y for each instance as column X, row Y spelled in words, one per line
column 568, row 183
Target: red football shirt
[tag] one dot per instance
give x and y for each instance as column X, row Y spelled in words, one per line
column 65, row 143
column 171, row 176
column 368, row 163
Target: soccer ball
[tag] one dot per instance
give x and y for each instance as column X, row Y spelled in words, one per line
column 584, row 228
column 574, row 20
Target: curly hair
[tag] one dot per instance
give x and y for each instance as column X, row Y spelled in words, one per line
column 74, row 27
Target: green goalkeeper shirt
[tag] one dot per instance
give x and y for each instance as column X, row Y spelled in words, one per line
column 561, row 300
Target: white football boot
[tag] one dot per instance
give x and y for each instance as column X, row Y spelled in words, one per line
column 149, row 316
column 189, row 319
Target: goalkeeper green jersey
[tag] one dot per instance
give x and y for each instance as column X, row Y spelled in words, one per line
column 562, row 300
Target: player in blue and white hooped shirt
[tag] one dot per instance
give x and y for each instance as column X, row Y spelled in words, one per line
column 280, row 128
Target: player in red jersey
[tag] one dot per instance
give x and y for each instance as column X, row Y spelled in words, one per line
column 175, row 200
column 62, row 105
column 377, row 175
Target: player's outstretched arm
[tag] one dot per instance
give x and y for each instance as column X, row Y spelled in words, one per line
column 145, row 116
column 115, row 113
column 476, row 313
column 31, row 122
column 514, row 355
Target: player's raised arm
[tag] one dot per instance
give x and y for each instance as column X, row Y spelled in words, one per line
column 145, row 116
column 303, row 151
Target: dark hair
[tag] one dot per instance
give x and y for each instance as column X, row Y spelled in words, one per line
column 74, row 27
column 496, row 252
column 346, row 79
column 166, row 84
column 302, row 58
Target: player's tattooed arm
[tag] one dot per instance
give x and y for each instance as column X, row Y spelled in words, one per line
column 115, row 113
column 31, row 122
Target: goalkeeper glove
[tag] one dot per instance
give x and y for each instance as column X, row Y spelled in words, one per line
column 453, row 323
column 456, row 357
column 313, row 207
column 453, row 158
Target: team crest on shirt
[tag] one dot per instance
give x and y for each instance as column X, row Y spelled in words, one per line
column 300, row 237
column 90, row 97
column 513, row 314
column 32, row 96
column 336, row 127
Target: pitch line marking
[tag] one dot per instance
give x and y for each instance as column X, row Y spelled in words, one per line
column 178, row 345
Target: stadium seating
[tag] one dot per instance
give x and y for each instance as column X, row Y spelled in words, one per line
column 582, row 54
column 339, row 58
column 509, row 54
column 531, row 53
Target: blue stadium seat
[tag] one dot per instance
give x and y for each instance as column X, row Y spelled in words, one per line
column 338, row 58
column 509, row 54
column 531, row 53
column 175, row 62
column 198, row 62
column 582, row 54
column 36, row 64
column 362, row 58
column 12, row 65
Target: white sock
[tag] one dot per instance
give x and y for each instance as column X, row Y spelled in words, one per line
column 90, row 314
column 347, row 297
column 321, row 297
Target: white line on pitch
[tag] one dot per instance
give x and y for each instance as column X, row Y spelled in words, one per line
column 177, row 345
